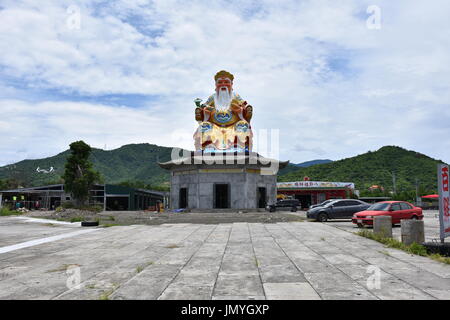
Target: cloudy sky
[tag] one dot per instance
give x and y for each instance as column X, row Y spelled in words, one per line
column 119, row 72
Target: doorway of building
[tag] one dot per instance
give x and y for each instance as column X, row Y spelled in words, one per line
column 183, row 200
column 117, row 203
column 55, row 202
column 305, row 200
column 261, row 197
column 221, row 196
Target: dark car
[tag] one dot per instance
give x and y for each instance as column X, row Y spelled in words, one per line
column 291, row 204
column 337, row 209
column 321, row 204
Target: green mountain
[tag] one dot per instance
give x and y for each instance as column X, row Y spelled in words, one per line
column 138, row 163
column 376, row 168
column 312, row 163
column 295, row 166
column 133, row 162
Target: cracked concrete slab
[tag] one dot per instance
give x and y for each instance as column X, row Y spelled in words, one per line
column 290, row 291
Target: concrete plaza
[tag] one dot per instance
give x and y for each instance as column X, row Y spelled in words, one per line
column 40, row 259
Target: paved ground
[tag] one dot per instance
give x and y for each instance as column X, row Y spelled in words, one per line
column 289, row 260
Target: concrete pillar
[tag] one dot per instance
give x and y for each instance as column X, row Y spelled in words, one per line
column 382, row 226
column 413, row 231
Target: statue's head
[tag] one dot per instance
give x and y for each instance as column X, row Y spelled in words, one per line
column 224, row 81
column 224, row 90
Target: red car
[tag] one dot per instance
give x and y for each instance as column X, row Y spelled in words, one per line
column 398, row 210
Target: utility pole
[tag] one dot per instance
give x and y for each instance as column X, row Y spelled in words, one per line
column 418, row 199
column 394, row 182
column 417, row 189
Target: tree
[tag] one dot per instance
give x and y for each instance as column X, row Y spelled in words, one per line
column 3, row 184
column 79, row 175
column 10, row 183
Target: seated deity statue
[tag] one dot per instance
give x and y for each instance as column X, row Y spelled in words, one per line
column 224, row 119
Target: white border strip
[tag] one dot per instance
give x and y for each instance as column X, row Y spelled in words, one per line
column 36, row 242
column 37, row 220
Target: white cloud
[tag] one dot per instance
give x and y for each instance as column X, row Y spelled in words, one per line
column 47, row 128
column 310, row 68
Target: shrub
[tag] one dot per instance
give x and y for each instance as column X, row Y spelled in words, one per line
column 418, row 249
column 5, row 211
column 68, row 205
column 96, row 209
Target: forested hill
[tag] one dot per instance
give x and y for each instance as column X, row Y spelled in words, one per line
column 376, row 168
column 137, row 164
column 132, row 162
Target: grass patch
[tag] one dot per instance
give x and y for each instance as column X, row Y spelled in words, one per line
column 438, row 257
column 8, row 212
column 414, row 248
column 108, row 225
column 63, row 267
column 105, row 295
column 385, row 253
column 140, row 268
column 95, row 209
column 172, row 246
column 76, row 219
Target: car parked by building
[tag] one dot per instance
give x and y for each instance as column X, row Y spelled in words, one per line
column 337, row 209
column 291, row 204
column 398, row 210
column 321, row 204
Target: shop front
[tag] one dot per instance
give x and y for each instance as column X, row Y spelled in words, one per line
column 314, row 192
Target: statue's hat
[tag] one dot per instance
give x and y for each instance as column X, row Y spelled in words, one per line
column 223, row 74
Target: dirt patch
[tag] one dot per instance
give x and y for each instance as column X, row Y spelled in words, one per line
column 72, row 215
column 108, row 218
column 142, row 217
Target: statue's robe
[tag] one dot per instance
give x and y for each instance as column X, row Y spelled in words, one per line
column 224, row 130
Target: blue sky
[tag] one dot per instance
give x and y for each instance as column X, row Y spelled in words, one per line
column 311, row 69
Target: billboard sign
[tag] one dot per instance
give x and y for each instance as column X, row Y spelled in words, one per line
column 315, row 184
column 444, row 200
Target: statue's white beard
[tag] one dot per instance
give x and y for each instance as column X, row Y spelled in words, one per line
column 222, row 99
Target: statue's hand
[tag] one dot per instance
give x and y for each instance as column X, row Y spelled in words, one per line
column 198, row 114
column 236, row 108
column 207, row 113
column 248, row 113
